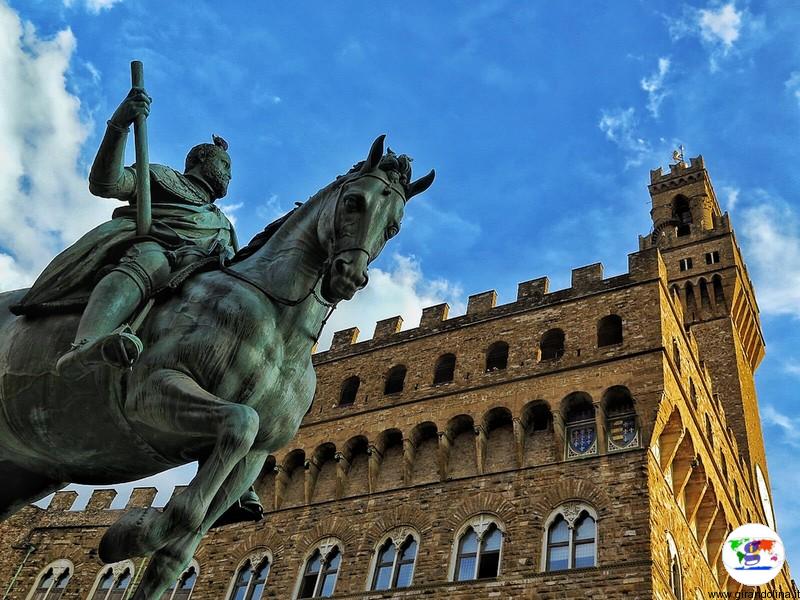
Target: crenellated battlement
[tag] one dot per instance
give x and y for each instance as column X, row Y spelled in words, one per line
column 102, row 499
column 691, row 172
column 643, row 266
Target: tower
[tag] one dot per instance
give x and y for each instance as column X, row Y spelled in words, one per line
column 706, row 269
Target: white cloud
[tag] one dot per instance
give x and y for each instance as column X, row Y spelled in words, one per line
column 654, row 86
column 94, row 6
column 793, row 85
column 770, row 232
column 731, row 196
column 44, row 202
column 402, row 290
column 719, row 27
column 722, row 25
column 789, row 426
column 620, row 127
column 792, row 367
column 230, row 210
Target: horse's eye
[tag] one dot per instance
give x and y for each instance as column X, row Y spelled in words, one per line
column 392, row 231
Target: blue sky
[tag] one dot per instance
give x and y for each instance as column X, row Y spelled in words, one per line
column 541, row 119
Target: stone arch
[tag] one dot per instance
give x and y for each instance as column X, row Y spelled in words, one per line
column 481, row 503
column 461, row 457
column 336, row 527
column 580, row 426
column 264, row 485
column 349, row 391
column 444, row 371
column 569, row 489
column 539, row 445
column 425, row 457
column 692, row 306
column 498, row 424
column 250, row 562
column 389, row 446
column 719, row 292
column 256, row 542
column 356, row 466
column 395, row 380
column 323, row 472
column 609, row 330
column 622, row 421
column 682, row 214
column 120, row 575
column 705, row 296
column 404, row 515
column 294, row 474
column 551, row 346
column 54, row 578
column 497, row 356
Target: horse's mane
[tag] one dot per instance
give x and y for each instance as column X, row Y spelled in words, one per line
column 391, row 163
column 262, row 237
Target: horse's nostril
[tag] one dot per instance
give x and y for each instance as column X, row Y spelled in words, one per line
column 365, row 278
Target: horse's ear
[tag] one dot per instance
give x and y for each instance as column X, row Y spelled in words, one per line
column 420, row 185
column 375, row 155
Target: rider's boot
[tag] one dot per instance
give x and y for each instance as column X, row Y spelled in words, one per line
column 102, row 336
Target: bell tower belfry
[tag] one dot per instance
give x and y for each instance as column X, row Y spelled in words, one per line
column 706, row 269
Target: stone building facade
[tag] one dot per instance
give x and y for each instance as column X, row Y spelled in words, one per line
column 598, row 441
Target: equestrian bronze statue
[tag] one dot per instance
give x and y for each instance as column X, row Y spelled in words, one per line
column 138, row 351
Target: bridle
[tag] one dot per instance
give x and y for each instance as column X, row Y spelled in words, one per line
column 331, row 306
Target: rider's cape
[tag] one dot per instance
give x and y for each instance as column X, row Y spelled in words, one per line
column 181, row 217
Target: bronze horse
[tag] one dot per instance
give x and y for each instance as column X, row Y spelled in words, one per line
column 225, row 377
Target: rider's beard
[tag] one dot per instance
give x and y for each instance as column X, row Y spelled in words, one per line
column 216, row 179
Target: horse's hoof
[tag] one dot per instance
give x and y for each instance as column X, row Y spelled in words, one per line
column 127, row 536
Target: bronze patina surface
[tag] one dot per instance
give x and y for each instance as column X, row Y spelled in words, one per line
column 222, row 371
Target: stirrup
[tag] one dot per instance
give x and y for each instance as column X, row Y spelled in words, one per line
column 121, row 348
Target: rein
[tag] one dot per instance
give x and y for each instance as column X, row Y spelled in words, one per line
column 331, row 306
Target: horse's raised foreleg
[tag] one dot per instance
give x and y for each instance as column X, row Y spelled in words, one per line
column 168, row 563
column 173, row 402
column 21, row 487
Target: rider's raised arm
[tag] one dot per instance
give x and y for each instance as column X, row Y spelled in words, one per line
column 108, row 177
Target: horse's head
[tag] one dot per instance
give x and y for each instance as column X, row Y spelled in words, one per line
column 364, row 212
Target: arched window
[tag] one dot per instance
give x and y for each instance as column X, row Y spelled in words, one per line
column 571, row 540
column 349, row 391
column 581, row 429
column 479, row 548
column 552, row 344
column 609, row 331
column 394, row 563
column 675, row 573
column 182, row 588
column 251, row 578
column 113, row 581
column 497, row 357
column 445, row 369
column 53, row 581
column 395, row 380
column 682, row 214
column 320, row 571
column 621, row 428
